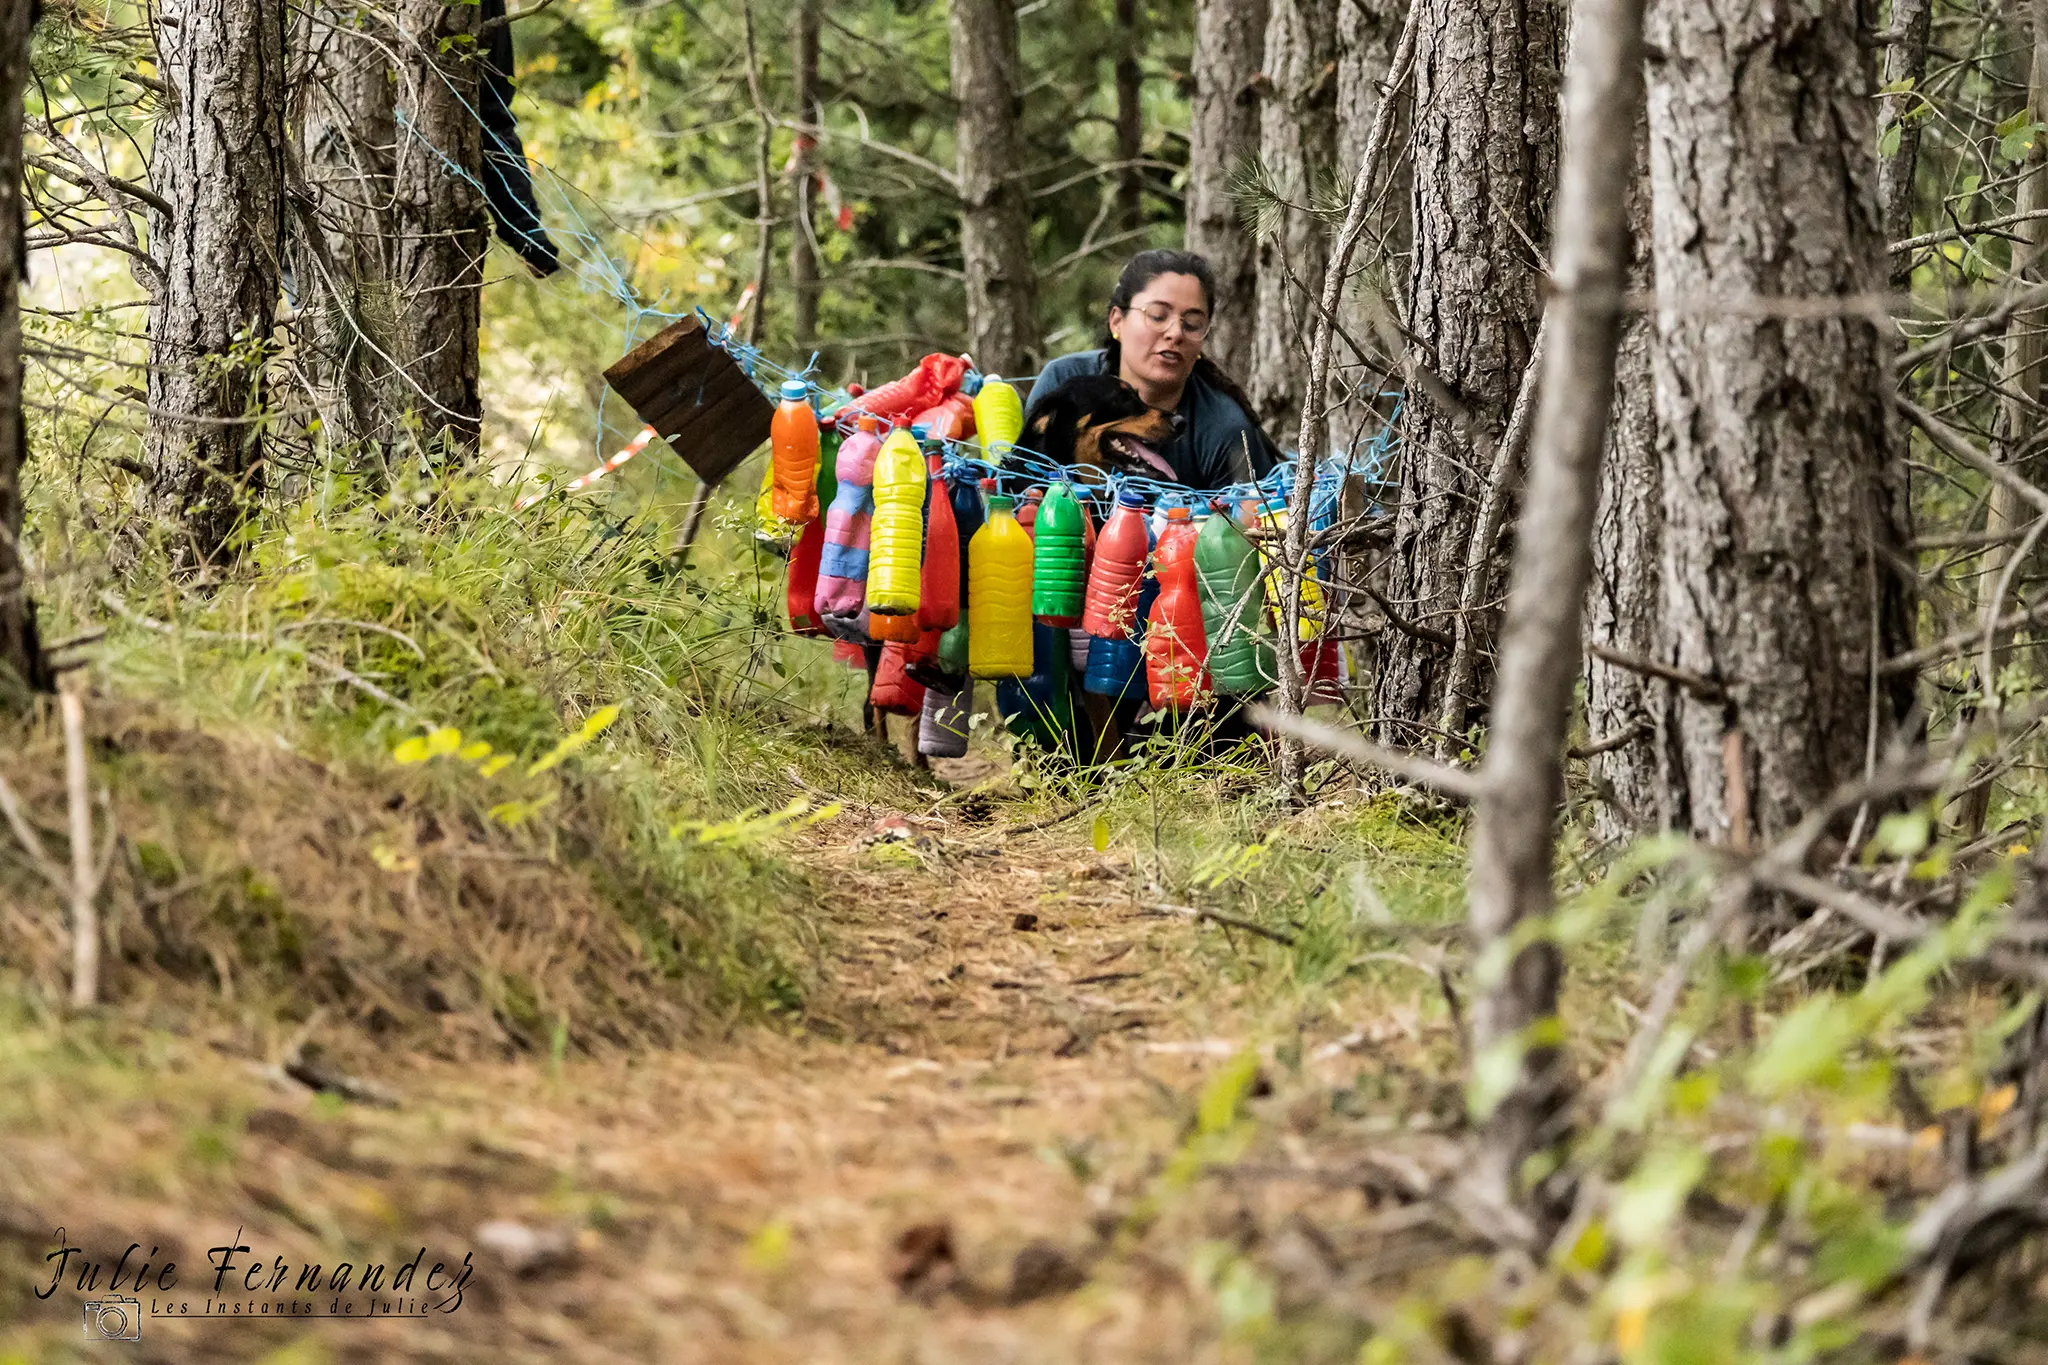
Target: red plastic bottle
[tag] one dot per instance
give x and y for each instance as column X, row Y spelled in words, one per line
column 802, row 593
column 951, row 420
column 1027, row 510
column 1120, row 553
column 1176, row 646
column 938, row 602
column 894, row 692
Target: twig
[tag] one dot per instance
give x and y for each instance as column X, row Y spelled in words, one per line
column 1458, row 782
column 1232, row 921
column 85, row 920
column 25, row 834
column 1706, row 689
column 1953, row 644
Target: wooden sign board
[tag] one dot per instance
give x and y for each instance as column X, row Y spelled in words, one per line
column 695, row 396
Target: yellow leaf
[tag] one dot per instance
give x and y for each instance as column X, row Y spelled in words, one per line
column 475, row 750
column 599, row 722
column 492, row 767
column 1100, row 833
column 1996, row 1103
column 1630, row 1326
column 413, row 750
column 444, row 740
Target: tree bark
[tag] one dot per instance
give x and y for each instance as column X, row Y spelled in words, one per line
column 22, row 667
column 803, row 239
column 995, row 223
column 219, row 161
column 349, row 131
column 1367, row 33
column 1624, row 606
column 1130, row 117
column 442, row 223
column 1905, row 59
column 2020, row 364
column 1522, row 779
column 1485, row 148
column 1783, row 510
column 1298, row 150
column 1230, row 42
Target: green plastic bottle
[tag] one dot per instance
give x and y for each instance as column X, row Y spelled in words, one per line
column 1233, row 608
column 1059, row 570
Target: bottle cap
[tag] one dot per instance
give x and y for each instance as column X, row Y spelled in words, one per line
column 997, row 502
column 988, row 486
column 1176, row 513
column 971, row 384
column 919, row 432
column 795, row 390
column 868, row 423
column 1130, row 497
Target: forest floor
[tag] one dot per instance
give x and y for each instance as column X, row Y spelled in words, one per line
column 972, row 1149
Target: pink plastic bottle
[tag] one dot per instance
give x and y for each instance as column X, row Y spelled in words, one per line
column 843, row 568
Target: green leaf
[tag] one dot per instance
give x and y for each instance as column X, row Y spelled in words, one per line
column 1646, row 1205
column 1902, row 834
column 1808, row 1043
column 1888, row 140
column 1225, row 1091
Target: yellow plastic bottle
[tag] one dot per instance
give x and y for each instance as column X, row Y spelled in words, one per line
column 1310, row 622
column 998, row 417
column 999, row 596
column 896, row 539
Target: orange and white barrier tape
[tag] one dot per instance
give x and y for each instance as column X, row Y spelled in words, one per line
column 582, row 481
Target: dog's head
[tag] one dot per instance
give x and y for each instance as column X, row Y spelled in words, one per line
column 1097, row 419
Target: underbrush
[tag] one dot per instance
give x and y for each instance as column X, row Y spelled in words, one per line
column 478, row 778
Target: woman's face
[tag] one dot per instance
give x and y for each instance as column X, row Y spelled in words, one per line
column 1161, row 332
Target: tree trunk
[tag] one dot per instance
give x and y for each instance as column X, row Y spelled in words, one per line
column 1130, row 117
column 443, row 225
column 1522, row 781
column 1624, row 606
column 1298, row 149
column 995, row 223
column 1783, row 511
column 2020, row 382
column 349, row 132
column 22, row 667
column 1367, row 32
column 803, row 239
column 219, row 160
column 1905, row 59
column 1485, row 146
column 1230, row 41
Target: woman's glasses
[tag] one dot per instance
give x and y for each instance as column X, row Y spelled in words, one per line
column 1193, row 325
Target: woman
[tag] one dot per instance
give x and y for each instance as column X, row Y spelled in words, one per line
column 1159, row 315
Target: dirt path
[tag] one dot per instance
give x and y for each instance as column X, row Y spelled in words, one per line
column 1007, row 1046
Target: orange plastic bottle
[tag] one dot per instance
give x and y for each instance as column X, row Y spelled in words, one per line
column 897, row 536
column 999, row 595
column 793, row 447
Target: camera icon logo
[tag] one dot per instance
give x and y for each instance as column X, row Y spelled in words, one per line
column 114, row 1319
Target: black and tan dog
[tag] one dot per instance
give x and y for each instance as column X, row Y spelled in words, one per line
column 1098, row 420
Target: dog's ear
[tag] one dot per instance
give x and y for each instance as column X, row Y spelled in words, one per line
column 1041, row 424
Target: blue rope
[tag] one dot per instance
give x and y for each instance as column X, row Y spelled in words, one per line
column 599, row 273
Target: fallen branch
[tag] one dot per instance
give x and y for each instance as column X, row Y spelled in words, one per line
column 1231, row 921
column 1459, row 782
